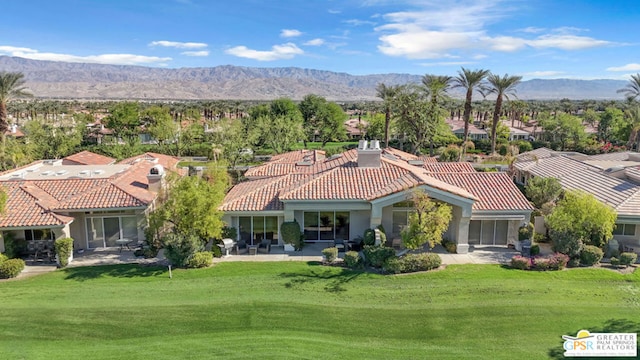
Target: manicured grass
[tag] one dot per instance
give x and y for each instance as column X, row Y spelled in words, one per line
column 291, row 310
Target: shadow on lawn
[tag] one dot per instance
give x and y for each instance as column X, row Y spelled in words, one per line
column 116, row 271
column 335, row 281
column 610, row 326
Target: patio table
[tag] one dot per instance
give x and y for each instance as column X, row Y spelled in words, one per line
column 123, row 243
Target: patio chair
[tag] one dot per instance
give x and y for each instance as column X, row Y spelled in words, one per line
column 339, row 244
column 242, row 247
column 264, row 246
column 32, row 250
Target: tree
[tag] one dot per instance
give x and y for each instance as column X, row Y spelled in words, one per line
column 436, row 87
column 11, row 87
column 160, row 124
column 387, row 94
column 580, row 215
column 632, row 116
column 502, row 87
column 469, row 80
column 427, row 222
column 46, row 141
column 562, row 127
column 612, row 126
column 632, row 89
column 278, row 125
column 323, row 119
column 124, row 121
column 190, row 207
column 543, row 190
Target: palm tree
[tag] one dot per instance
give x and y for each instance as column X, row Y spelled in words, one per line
column 632, row 90
column 502, row 87
column 11, row 87
column 633, row 117
column 436, row 87
column 469, row 80
column 386, row 93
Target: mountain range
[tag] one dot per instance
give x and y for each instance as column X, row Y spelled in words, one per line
column 53, row 79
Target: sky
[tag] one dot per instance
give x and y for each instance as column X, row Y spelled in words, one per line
column 595, row 39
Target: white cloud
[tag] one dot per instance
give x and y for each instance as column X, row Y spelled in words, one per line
column 178, row 45
column 447, row 63
column 357, row 22
column 195, row 53
column 288, row 33
column 314, row 42
column 628, row 67
column 445, row 30
column 277, row 52
column 479, row 57
column 114, row 59
column 334, row 11
column 548, row 73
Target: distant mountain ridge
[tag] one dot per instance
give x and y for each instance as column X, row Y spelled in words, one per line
column 53, row 79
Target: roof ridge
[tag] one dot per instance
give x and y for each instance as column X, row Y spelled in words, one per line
column 271, row 181
column 625, row 201
column 306, row 180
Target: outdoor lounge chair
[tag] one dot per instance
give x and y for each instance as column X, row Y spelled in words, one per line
column 242, row 247
column 264, row 246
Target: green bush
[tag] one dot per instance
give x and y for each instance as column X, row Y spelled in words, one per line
column 290, row 232
column 573, row 262
column 449, row 245
column 201, row 259
column 352, row 259
column 14, row 248
column 526, row 232
column 11, row 268
column 3, row 258
column 369, row 237
column 216, row 250
column 628, row 258
column 420, row 262
column 376, row 256
column 535, row 250
column 64, row 249
column 229, row 232
column 383, row 236
column 179, row 248
column 542, row 264
column 567, row 244
column 503, row 149
column 393, row 266
column 523, row 146
column 590, row 255
column 615, row 261
column 330, row 254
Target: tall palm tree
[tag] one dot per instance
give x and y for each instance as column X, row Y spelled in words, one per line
column 469, row 80
column 387, row 93
column 436, row 87
column 502, row 87
column 632, row 90
column 11, row 87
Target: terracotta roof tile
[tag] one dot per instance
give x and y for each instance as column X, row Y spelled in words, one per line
column 24, row 210
column 87, row 158
column 449, row 167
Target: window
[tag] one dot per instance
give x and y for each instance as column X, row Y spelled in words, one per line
column 254, row 229
column 104, row 231
column 39, row 234
column 625, row 229
column 326, row 225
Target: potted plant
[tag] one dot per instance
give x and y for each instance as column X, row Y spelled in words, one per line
column 291, row 235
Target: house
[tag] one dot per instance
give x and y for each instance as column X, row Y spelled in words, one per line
column 85, row 196
column 475, row 133
column 14, row 132
column 340, row 196
column 613, row 178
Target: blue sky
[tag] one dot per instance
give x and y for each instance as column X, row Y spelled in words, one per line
column 536, row 39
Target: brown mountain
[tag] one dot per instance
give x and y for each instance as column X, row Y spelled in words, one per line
column 52, row 79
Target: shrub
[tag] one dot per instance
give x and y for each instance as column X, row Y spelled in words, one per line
column 558, row 261
column 11, row 268
column 526, row 232
column 573, row 262
column 352, row 259
column 290, row 232
column 420, row 262
column 64, row 249
column 216, row 250
column 201, row 259
column 503, row 149
column 524, row 146
column 450, row 153
column 369, row 237
column 449, row 245
column 393, row 266
column 520, row 262
column 566, row 243
column 535, row 250
column 383, row 236
column 150, row 252
column 541, row 264
column 13, row 247
column 179, row 248
column 229, row 232
column 330, row 254
column 3, row 258
column 628, row 258
column 376, row 256
column 615, row 261
column 590, row 255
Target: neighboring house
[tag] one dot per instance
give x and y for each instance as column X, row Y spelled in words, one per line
column 613, row 178
column 355, row 128
column 14, row 132
column 518, row 134
column 475, row 133
column 85, row 196
column 341, row 196
column 97, row 133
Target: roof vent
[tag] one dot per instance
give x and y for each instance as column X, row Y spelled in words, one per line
column 47, row 173
column 61, row 172
column 18, row 175
column 98, row 172
column 416, row 162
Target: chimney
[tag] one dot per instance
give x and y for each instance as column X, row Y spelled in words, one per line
column 156, row 178
column 369, row 154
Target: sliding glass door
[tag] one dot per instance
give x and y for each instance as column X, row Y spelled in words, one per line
column 104, row 231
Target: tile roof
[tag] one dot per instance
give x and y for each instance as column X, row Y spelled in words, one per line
column 34, row 202
column 339, row 178
column 87, row 158
column 577, row 175
column 287, row 163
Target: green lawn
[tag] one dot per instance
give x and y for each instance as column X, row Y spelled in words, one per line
column 297, row 310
